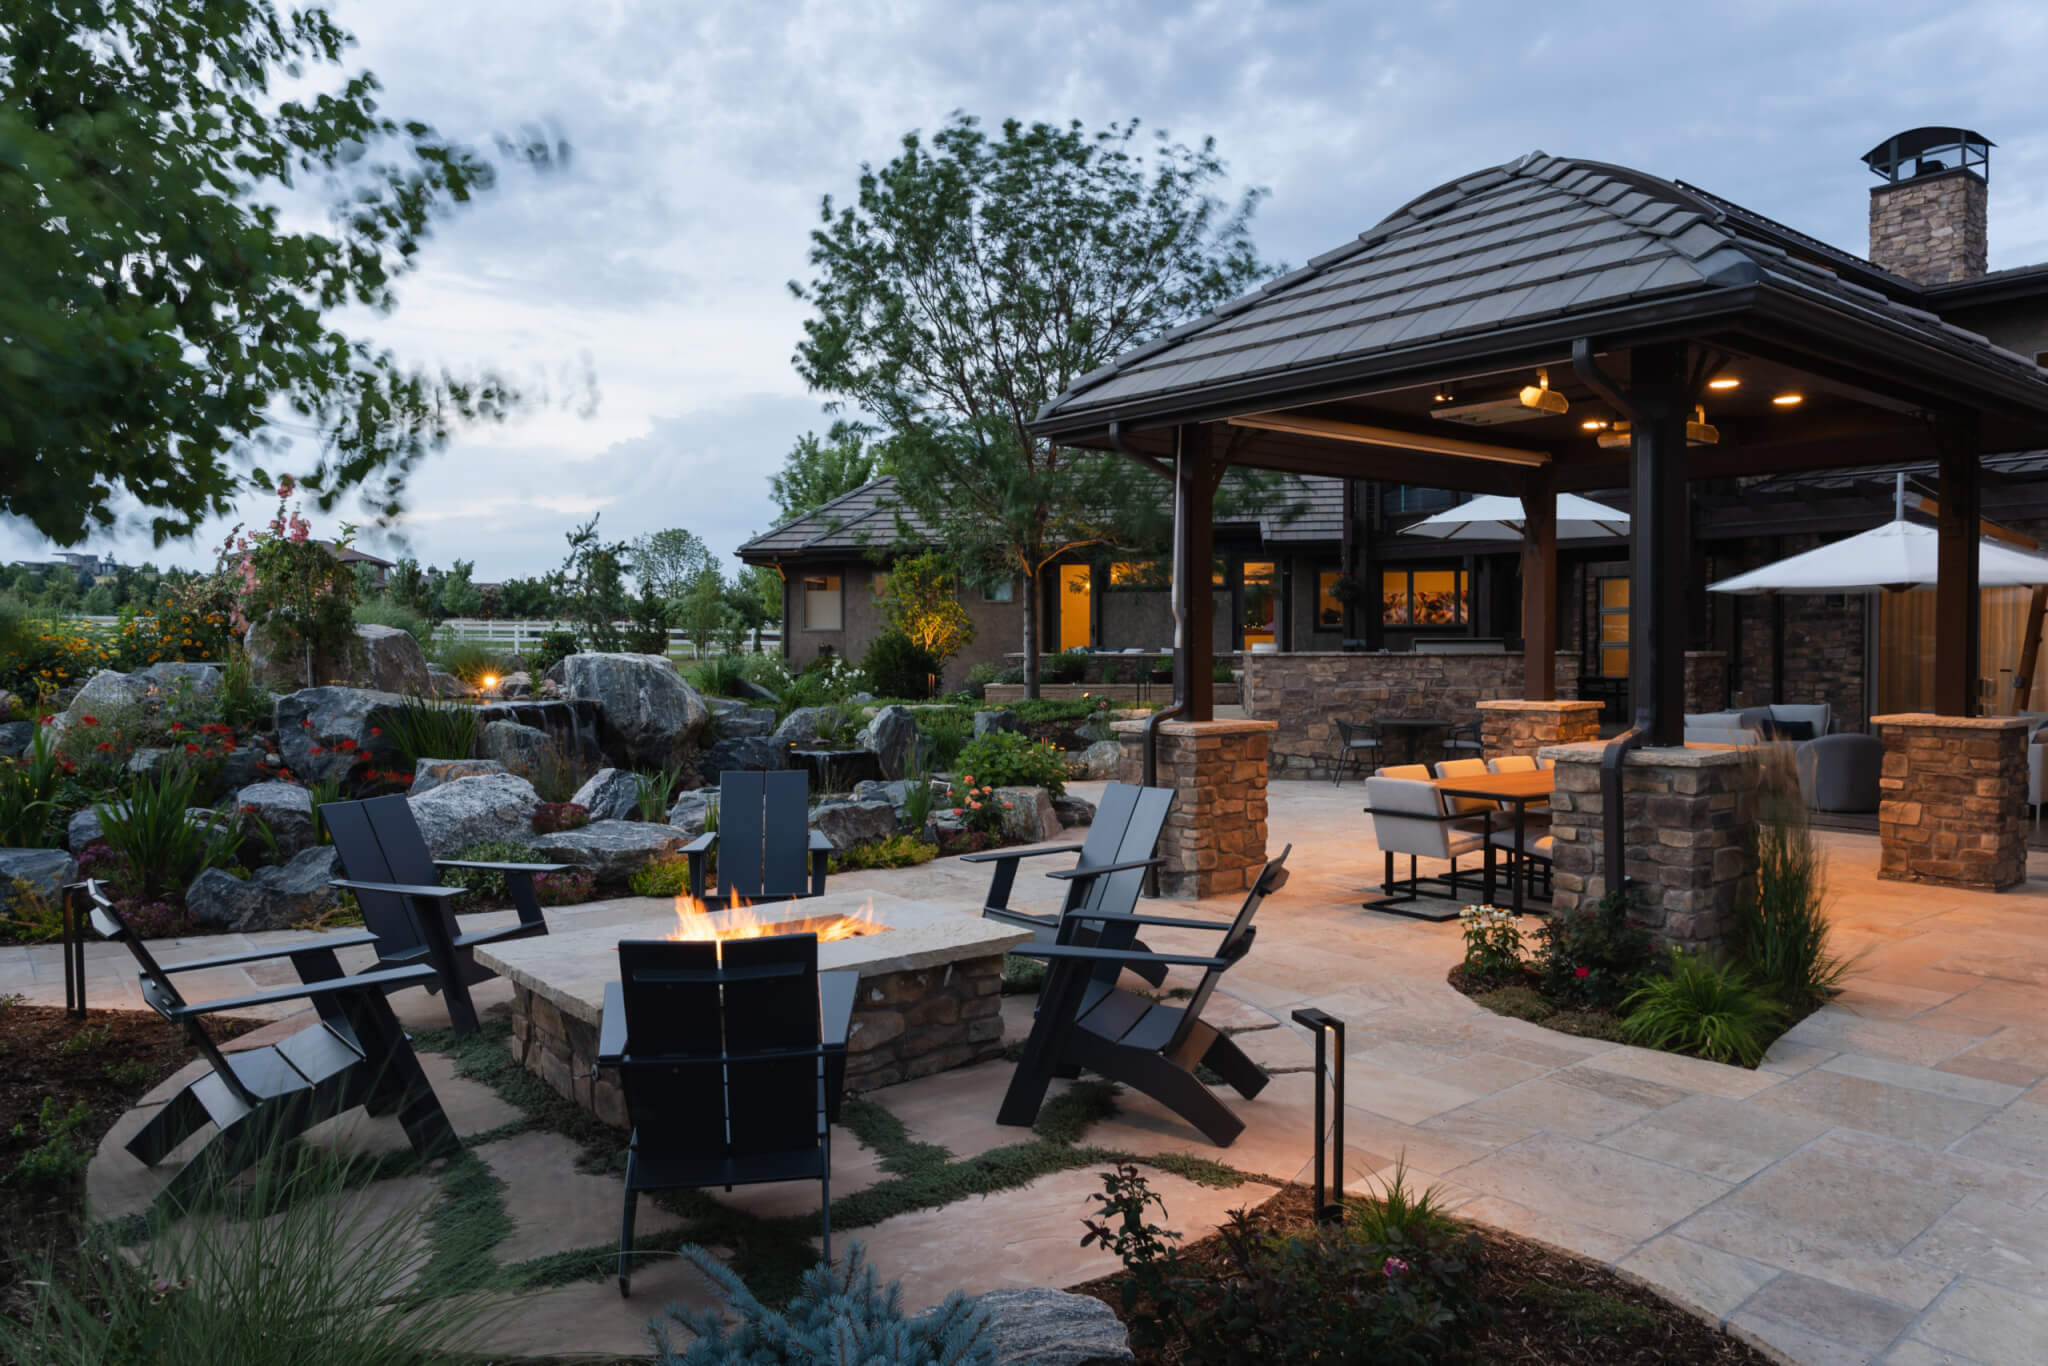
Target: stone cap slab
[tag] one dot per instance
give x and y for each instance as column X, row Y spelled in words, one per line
column 1559, row 704
column 1230, row 726
column 1688, row 756
column 1929, row 721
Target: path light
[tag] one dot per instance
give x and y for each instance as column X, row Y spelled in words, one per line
column 1325, row 1025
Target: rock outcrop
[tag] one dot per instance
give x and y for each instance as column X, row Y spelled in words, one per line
column 494, row 806
column 651, row 717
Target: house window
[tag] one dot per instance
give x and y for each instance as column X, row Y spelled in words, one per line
column 821, row 603
column 1329, row 607
column 880, row 583
column 1425, row 597
column 1261, row 602
column 1614, row 628
column 1006, row 591
column 1137, row 576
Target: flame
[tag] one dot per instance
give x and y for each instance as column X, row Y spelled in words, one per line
column 698, row 922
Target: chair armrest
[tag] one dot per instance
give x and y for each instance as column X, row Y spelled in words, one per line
column 500, row 867
column 1131, row 956
column 1174, row 921
column 611, row 1035
column 821, row 843
column 399, row 888
column 702, row 843
column 1028, row 920
column 259, row 955
column 1000, row 855
column 1070, row 874
column 837, row 990
column 1422, row 815
column 306, row 991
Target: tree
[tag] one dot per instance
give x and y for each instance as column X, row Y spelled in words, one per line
column 591, row 586
column 647, row 632
column 815, row 472
column 522, row 599
column 758, row 597
column 922, row 601
column 973, row 280
column 406, row 585
column 460, row 597
column 154, row 314
column 668, row 560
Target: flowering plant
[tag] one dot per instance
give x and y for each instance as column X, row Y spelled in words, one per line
column 976, row 806
column 1493, row 944
column 296, row 586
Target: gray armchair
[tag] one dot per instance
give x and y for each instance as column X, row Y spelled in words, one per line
column 1840, row 772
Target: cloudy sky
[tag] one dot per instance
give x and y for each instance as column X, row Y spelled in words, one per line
column 652, row 274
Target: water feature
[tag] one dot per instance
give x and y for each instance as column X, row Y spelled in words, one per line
column 836, row 770
column 571, row 723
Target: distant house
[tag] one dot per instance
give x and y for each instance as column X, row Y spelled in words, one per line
column 350, row 555
column 76, row 562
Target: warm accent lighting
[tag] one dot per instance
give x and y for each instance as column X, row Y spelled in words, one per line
column 1699, row 431
column 490, row 682
column 698, row 922
column 1725, row 382
column 1789, row 400
column 1594, row 424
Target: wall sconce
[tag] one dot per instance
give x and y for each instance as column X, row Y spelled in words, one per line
column 1326, row 1025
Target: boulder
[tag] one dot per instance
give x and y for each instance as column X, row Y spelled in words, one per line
column 651, row 717
column 895, row 741
column 16, row 737
column 738, row 721
column 1054, row 1328
column 84, row 829
column 520, row 748
column 145, row 761
column 847, row 822
column 1073, row 811
column 174, row 676
column 42, row 871
column 896, row 793
column 805, row 726
column 1028, row 817
column 274, row 899
column 429, row 774
column 611, row 850
column 1102, row 758
column 106, row 692
column 383, row 658
column 691, row 809
column 492, row 806
column 612, row 794
column 989, row 722
column 242, row 766
column 515, row 685
column 336, row 722
column 392, row 660
column 749, row 752
column 286, row 809
column 442, row 684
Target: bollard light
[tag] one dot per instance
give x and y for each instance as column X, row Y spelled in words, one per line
column 1327, row 1028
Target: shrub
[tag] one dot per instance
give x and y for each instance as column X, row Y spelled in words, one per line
column 1493, row 943
column 897, row 851
column 565, row 888
column 421, row 728
column 242, row 703
column 980, row 676
column 32, row 918
column 28, row 791
column 661, row 877
column 1068, row 664
column 1592, row 956
column 554, row 647
column 472, row 661
column 721, row 675
column 1782, row 929
column 655, row 793
column 896, row 666
column 484, row 883
column 948, row 731
column 1705, row 1008
column 840, row 1314
column 1007, row 759
column 154, row 833
column 976, row 806
column 383, row 612
column 59, row 1158
column 1010, row 674
column 550, row 817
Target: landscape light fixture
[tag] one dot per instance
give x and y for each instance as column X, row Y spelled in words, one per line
column 1789, row 400
column 1614, row 437
column 1328, row 1028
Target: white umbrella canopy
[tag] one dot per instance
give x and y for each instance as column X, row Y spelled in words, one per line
column 1498, row 517
column 1896, row 556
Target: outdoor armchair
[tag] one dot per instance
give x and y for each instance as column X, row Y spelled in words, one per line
column 1357, row 741
column 1409, row 817
column 1841, row 772
column 766, row 848
column 257, row 1099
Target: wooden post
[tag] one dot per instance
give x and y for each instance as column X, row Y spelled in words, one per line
column 1956, row 600
column 1539, row 585
column 1660, row 533
column 2030, row 651
column 1194, row 555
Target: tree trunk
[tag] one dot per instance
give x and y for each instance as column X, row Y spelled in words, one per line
column 1030, row 634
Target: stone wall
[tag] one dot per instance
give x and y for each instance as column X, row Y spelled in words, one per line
column 1954, row 795
column 1931, row 229
column 1686, row 818
column 905, row 1025
column 1520, row 726
column 1706, row 680
column 1215, row 836
column 1306, row 694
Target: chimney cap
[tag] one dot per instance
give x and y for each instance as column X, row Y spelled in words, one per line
column 1903, row 156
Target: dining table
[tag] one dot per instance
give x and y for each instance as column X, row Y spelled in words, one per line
column 1518, row 792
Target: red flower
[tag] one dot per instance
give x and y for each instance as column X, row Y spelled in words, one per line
column 68, row 766
column 374, row 732
column 316, row 750
column 1582, row 973
column 47, row 719
column 307, row 723
column 347, row 744
column 191, row 749
column 88, row 720
column 104, row 745
column 177, row 726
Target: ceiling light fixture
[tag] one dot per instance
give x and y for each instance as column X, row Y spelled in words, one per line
column 1789, row 400
column 1724, row 382
column 1594, row 424
column 1699, row 431
column 1615, row 437
column 1531, row 401
column 1542, row 397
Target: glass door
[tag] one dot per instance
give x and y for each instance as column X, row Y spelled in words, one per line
column 1076, row 600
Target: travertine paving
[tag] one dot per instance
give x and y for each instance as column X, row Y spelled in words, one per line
column 1877, row 1191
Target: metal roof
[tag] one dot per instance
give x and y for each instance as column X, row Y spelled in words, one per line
column 1540, row 240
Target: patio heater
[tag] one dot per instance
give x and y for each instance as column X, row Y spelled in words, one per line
column 1329, row 1210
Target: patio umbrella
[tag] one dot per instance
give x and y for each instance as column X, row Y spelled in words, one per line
column 1894, row 557
column 1498, row 517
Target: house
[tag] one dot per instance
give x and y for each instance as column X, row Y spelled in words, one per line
column 352, row 556
column 1344, row 577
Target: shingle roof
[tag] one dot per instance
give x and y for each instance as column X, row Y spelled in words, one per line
column 1533, row 239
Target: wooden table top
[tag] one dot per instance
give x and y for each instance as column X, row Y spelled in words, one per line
column 1528, row 787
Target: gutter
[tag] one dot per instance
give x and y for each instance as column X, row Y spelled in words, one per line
column 1613, row 829
column 1180, row 621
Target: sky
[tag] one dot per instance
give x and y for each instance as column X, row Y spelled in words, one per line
column 641, row 295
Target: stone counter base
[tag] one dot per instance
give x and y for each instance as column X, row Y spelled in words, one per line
column 905, row 1025
column 1953, row 800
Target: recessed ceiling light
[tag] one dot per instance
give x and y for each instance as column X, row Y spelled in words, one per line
column 1789, row 400
column 1593, row 424
column 1725, row 382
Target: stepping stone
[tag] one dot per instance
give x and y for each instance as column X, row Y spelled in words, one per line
column 854, row 1168
column 556, row 1208
column 588, row 1319
column 957, row 1109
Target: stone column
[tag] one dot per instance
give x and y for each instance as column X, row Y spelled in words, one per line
column 1954, row 800
column 1215, row 837
column 1519, row 726
column 1686, row 820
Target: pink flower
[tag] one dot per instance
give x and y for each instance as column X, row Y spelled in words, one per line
column 1393, row 1267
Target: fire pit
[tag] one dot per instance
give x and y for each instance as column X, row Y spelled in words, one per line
column 930, row 981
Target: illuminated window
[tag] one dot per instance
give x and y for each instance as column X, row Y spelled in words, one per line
column 821, row 603
column 1261, row 602
column 1140, row 576
column 1329, row 607
column 1425, row 597
column 1614, row 628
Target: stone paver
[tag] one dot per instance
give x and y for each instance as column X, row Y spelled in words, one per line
column 1873, row 1192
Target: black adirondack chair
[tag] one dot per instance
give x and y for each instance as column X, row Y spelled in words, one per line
column 1107, row 876
column 396, row 881
column 1149, row 1046
column 732, row 1058
column 258, row 1098
column 767, row 850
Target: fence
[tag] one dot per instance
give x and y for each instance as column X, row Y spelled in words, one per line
column 517, row 635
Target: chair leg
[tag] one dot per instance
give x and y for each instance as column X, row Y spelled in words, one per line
column 626, row 1232
column 175, row 1121
column 1181, row 1092
column 825, row 1198
column 1228, row 1061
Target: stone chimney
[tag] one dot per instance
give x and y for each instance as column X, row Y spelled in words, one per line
column 1927, row 221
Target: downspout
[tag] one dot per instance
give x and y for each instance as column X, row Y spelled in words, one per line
column 1176, row 582
column 1613, row 831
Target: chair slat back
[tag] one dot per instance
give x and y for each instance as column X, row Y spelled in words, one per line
column 764, row 834
column 386, row 914
column 1237, row 940
column 157, row 989
column 398, row 835
column 1464, row 768
column 742, row 802
column 722, row 1045
column 1407, row 817
column 1103, row 844
column 1417, row 772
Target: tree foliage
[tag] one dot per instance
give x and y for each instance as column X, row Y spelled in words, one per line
column 974, row 278
column 817, row 471
column 591, row 586
column 155, row 312
column 922, row 601
column 667, row 560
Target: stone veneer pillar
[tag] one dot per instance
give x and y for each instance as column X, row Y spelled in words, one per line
column 1954, row 794
column 1686, row 817
column 1521, row 726
column 1215, row 836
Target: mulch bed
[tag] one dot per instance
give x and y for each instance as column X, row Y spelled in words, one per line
column 1549, row 1308
column 1586, row 1022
